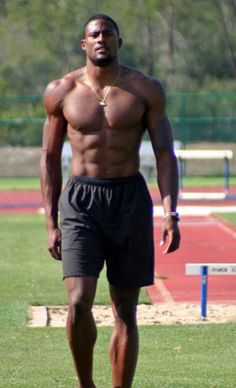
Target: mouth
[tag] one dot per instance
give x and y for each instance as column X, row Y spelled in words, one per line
column 101, row 49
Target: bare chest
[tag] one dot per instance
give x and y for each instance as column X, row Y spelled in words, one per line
column 123, row 110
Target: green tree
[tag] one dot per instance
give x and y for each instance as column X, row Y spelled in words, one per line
column 189, row 45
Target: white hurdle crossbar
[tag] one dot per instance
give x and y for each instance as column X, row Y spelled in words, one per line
column 225, row 155
column 205, row 269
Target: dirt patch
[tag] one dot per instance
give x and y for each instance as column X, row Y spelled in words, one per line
column 19, row 161
column 163, row 314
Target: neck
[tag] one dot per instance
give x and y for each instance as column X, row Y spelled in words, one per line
column 102, row 76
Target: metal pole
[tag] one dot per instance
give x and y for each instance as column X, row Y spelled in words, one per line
column 204, row 281
column 226, row 175
column 180, row 173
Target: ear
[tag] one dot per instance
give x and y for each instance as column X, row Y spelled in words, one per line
column 120, row 42
column 83, row 44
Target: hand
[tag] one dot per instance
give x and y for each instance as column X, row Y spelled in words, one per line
column 54, row 243
column 170, row 229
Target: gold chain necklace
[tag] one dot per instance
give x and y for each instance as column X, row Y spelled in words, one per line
column 103, row 100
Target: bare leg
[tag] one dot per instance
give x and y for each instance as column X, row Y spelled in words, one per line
column 81, row 329
column 124, row 342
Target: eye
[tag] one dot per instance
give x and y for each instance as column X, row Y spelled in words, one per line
column 94, row 34
column 108, row 33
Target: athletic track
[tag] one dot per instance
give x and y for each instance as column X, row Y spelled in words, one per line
column 205, row 238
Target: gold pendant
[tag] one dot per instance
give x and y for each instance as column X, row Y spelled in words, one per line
column 102, row 103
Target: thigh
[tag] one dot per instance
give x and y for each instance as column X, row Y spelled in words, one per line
column 124, row 296
column 130, row 261
column 82, row 252
column 124, row 300
column 82, row 240
column 132, row 265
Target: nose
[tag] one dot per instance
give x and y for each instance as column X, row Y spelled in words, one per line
column 101, row 37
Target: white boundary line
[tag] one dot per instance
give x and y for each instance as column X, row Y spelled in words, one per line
column 188, row 210
column 163, row 291
column 196, row 210
column 202, row 196
column 227, row 229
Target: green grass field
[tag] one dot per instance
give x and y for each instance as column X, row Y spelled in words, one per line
column 230, row 217
column 19, row 183
column 22, row 183
column 176, row 356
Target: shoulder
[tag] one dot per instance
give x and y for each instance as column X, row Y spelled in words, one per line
column 57, row 90
column 153, row 91
column 149, row 88
column 132, row 77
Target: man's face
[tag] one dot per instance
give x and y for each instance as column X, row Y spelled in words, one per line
column 101, row 42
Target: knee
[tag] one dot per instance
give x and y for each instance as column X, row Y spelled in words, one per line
column 126, row 314
column 78, row 308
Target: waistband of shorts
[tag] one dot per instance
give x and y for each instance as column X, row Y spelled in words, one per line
column 105, row 181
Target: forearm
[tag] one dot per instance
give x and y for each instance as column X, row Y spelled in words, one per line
column 51, row 184
column 167, row 178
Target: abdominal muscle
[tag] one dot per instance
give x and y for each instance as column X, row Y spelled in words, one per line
column 105, row 153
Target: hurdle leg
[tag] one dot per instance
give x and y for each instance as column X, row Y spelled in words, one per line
column 204, row 283
column 181, row 172
column 226, row 176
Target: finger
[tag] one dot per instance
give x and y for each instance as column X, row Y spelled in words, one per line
column 163, row 238
column 173, row 244
column 59, row 253
column 55, row 253
column 168, row 248
column 170, row 242
column 59, row 249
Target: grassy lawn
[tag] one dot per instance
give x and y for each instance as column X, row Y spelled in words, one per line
column 19, row 183
column 207, row 181
column 28, row 267
column 230, row 217
column 22, row 183
column 170, row 356
column 190, row 182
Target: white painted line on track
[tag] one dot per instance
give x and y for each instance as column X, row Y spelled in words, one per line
column 196, row 210
column 188, row 210
column 227, row 229
column 163, row 291
column 203, row 196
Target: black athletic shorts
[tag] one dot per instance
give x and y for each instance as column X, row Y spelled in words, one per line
column 108, row 220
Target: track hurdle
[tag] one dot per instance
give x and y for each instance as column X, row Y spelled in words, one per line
column 185, row 155
column 205, row 269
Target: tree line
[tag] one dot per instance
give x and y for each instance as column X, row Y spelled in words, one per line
column 190, row 45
